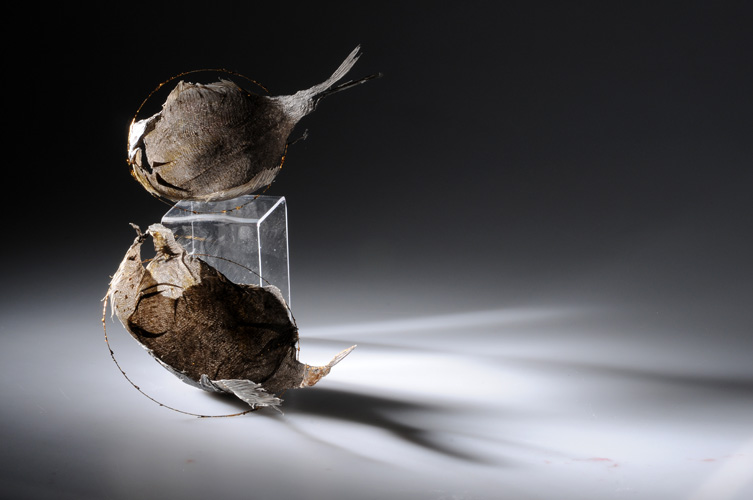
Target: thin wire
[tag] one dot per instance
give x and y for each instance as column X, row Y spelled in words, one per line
column 218, row 70
column 112, row 355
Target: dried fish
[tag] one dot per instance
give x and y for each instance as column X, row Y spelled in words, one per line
column 218, row 141
column 210, row 332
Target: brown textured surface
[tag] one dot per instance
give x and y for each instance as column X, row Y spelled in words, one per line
column 210, row 138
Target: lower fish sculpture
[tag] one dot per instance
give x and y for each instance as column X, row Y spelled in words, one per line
column 210, row 332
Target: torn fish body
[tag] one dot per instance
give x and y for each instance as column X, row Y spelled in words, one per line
column 218, row 141
column 210, row 332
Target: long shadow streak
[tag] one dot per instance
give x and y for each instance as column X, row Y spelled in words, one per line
column 375, row 411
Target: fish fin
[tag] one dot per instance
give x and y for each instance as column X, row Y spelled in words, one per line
column 304, row 102
column 340, row 72
column 248, row 391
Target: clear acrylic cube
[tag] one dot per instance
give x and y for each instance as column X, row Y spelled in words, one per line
column 245, row 238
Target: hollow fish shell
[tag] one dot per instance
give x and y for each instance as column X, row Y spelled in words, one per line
column 218, row 141
column 210, row 332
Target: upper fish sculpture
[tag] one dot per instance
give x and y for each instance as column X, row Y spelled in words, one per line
column 218, row 141
column 210, row 332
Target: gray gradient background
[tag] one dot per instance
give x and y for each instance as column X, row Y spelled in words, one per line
column 537, row 227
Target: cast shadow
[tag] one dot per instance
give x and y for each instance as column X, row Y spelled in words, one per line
column 377, row 411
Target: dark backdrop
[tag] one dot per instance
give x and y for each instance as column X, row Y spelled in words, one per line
column 509, row 153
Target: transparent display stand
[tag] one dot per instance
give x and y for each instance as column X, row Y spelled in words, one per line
column 245, row 238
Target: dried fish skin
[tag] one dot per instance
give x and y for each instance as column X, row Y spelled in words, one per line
column 210, row 142
column 210, row 332
column 218, row 141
